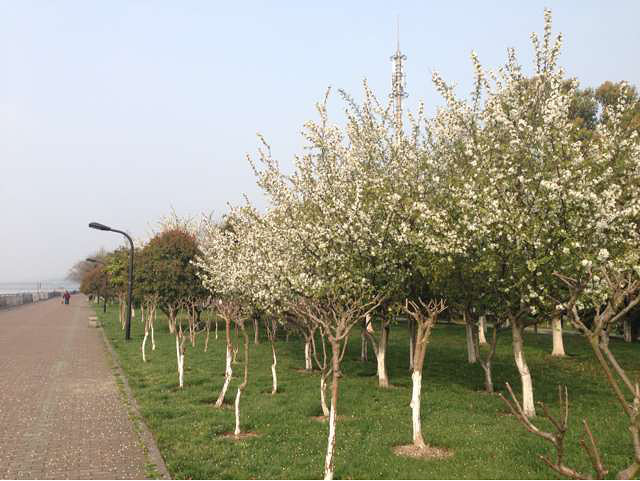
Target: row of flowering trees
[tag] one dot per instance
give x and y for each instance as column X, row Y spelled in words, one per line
column 498, row 206
column 511, row 204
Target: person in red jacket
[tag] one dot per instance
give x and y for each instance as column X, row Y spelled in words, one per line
column 66, row 297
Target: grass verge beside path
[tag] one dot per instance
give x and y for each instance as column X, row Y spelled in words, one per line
column 457, row 415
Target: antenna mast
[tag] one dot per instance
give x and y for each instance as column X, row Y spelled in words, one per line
column 398, row 84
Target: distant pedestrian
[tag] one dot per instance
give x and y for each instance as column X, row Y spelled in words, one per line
column 66, row 297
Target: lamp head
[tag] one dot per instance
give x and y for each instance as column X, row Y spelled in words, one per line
column 97, row 225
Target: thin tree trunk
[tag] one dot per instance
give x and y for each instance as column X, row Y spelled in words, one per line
column 144, row 341
column 228, row 371
column 381, row 355
column 482, row 330
column 521, row 363
column 558, row 344
column 180, row 357
column 380, row 350
column 323, row 393
column 308, row 365
column 206, row 339
column 416, row 399
column 274, row 374
column 423, row 323
column 381, row 358
column 471, row 348
column 152, row 319
column 488, row 381
column 329, row 463
column 256, row 331
column 422, row 335
column 626, row 329
column 486, row 362
column 216, row 329
column 364, row 344
column 412, row 341
column 245, row 381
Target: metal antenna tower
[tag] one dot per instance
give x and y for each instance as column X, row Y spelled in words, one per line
column 398, row 84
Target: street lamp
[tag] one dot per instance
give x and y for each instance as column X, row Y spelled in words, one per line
column 98, row 226
column 104, row 294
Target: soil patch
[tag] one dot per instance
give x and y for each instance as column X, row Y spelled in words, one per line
column 430, row 452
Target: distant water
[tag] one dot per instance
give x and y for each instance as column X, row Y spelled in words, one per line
column 16, row 287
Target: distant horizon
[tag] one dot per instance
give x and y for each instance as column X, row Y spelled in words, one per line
column 49, row 282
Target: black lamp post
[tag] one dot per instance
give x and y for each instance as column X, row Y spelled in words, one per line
column 104, row 294
column 96, row 225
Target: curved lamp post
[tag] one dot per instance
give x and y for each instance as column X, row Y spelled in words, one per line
column 98, row 226
column 104, row 294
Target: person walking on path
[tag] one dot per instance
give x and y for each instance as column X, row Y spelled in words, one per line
column 66, row 297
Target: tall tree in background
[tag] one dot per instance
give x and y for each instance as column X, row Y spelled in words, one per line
column 167, row 272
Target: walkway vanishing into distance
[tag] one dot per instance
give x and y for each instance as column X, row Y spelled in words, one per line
column 61, row 413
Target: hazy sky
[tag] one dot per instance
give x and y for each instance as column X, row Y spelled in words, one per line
column 118, row 111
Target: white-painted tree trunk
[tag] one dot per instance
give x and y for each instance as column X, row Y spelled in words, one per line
column 482, row 331
column 237, row 409
column 333, row 413
column 471, row 349
column 323, row 395
column 381, row 358
column 558, row 344
column 416, row 395
column 153, row 338
column 308, row 365
column 274, row 374
column 133, row 312
column 144, row 342
column 525, row 376
column 180, row 356
column 331, row 445
column 228, row 373
column 216, row 329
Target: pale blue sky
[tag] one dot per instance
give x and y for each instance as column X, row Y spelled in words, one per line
column 117, row 111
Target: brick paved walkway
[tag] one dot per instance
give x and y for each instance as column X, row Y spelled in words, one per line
column 61, row 414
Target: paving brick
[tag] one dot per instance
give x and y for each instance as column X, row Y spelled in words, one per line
column 60, row 409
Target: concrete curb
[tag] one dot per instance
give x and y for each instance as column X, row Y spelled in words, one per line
column 145, row 434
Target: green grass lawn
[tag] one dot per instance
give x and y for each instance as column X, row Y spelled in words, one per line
column 456, row 414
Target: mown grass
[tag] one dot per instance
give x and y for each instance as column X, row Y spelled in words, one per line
column 486, row 441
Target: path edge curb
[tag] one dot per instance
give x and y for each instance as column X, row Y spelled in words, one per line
column 145, row 433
